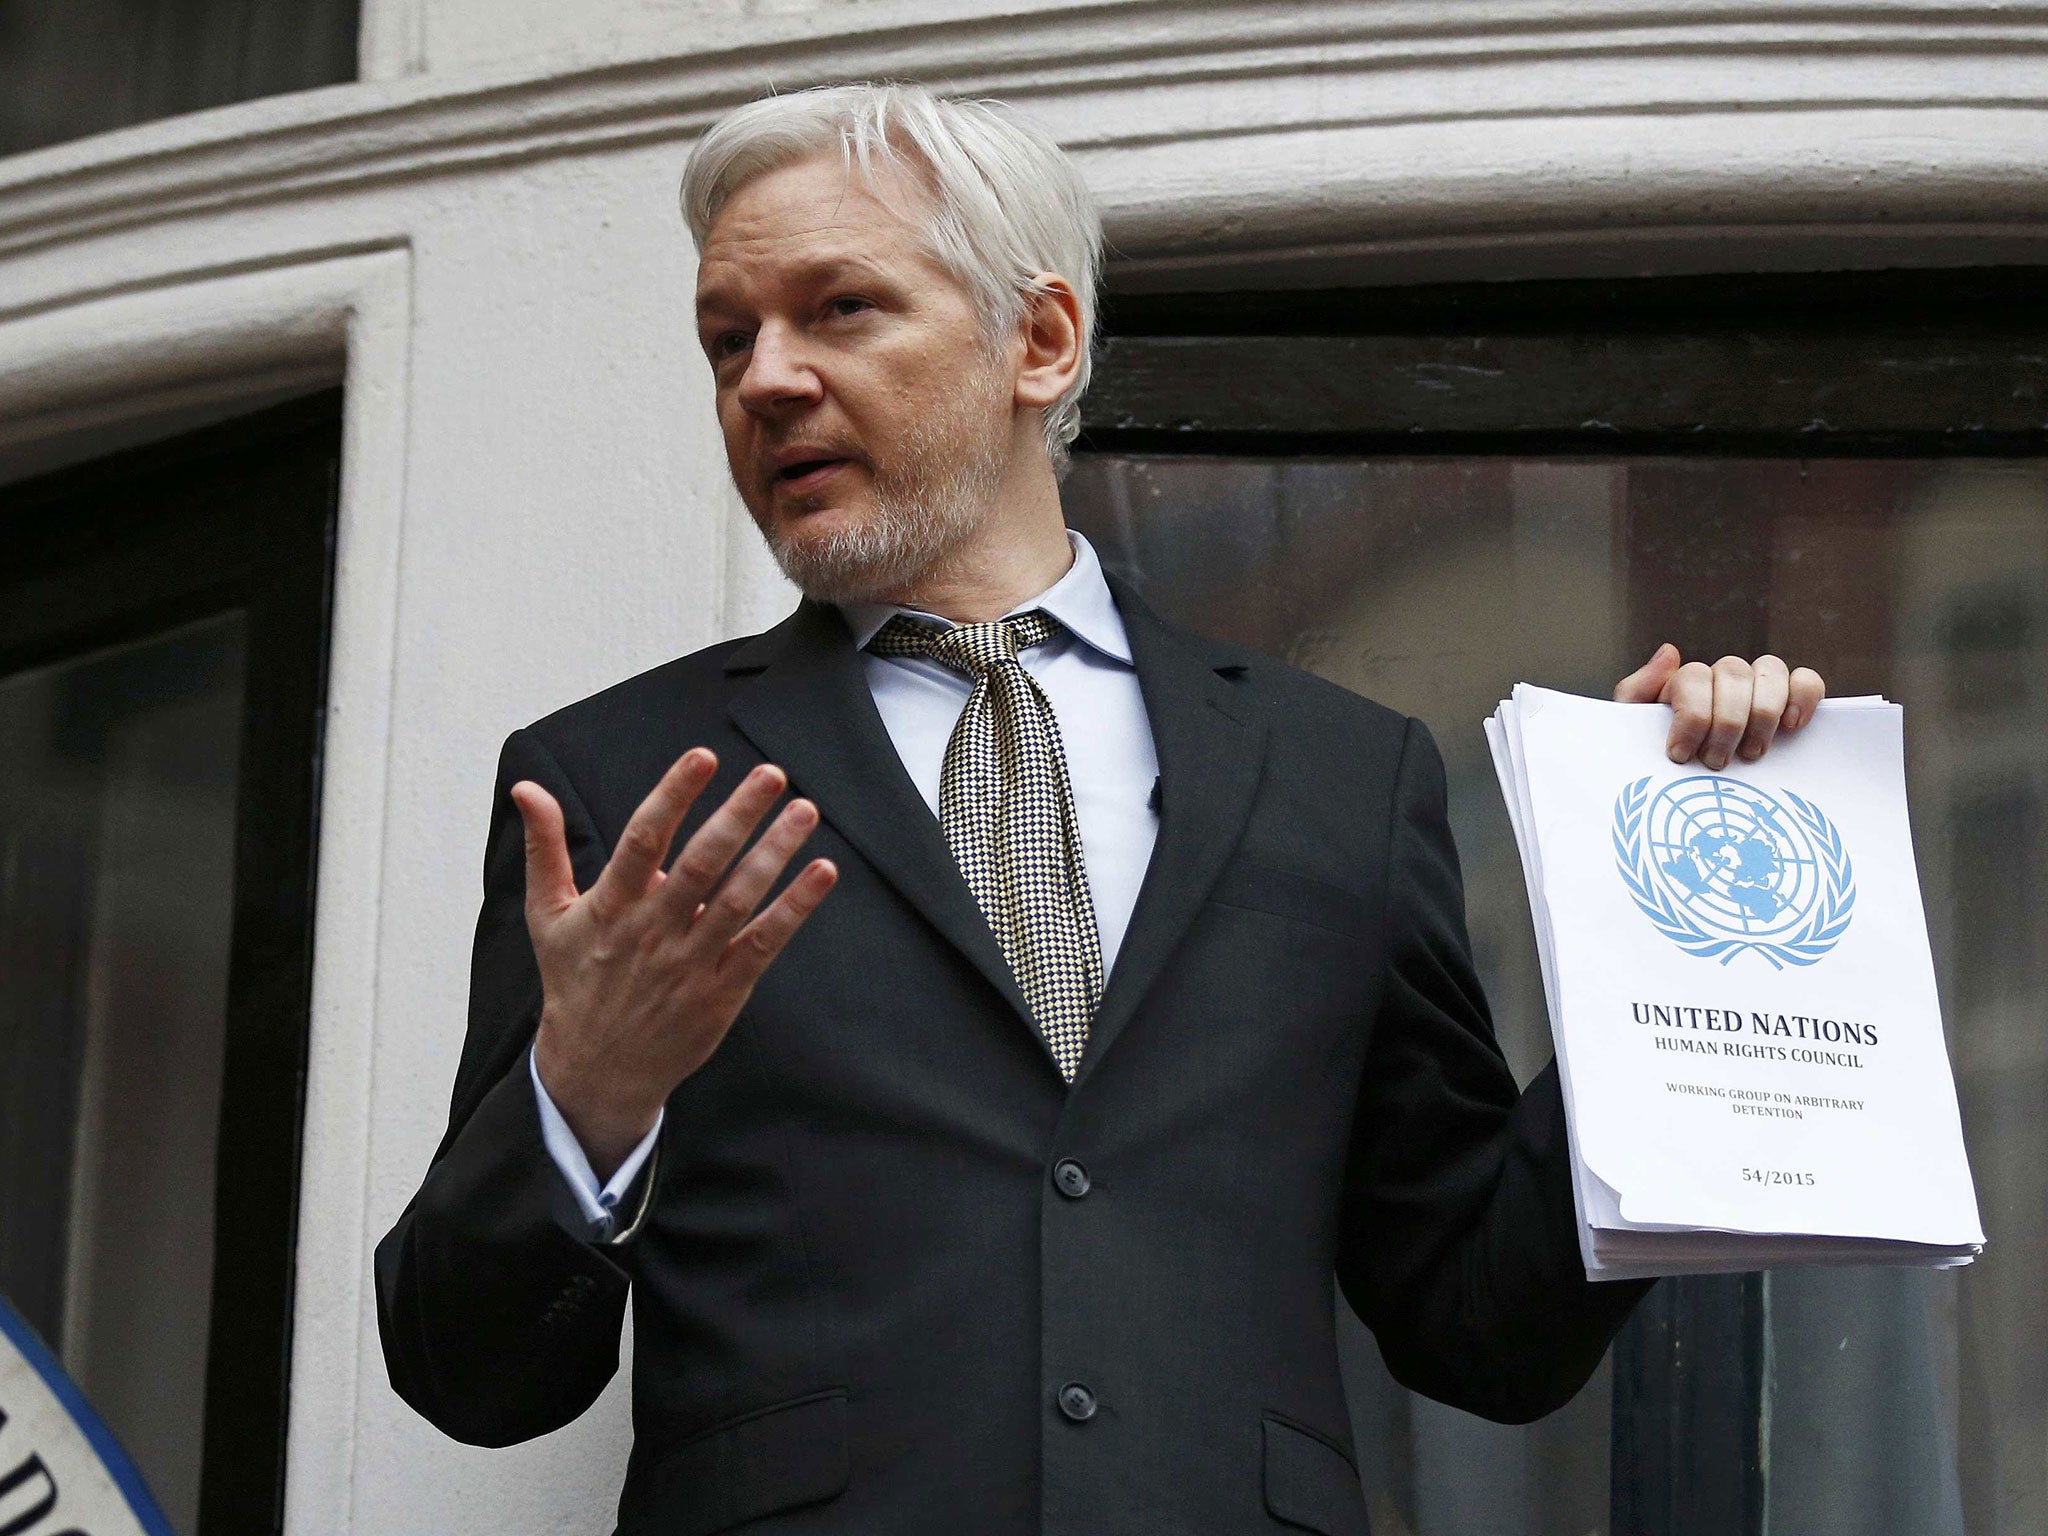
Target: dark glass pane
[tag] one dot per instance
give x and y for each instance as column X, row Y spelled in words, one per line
column 73, row 67
column 117, row 837
column 1914, row 1403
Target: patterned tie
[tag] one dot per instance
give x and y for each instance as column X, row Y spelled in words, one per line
column 1007, row 808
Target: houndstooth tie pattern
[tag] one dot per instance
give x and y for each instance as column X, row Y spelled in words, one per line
column 1006, row 805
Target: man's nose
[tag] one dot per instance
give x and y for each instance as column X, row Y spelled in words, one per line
column 777, row 375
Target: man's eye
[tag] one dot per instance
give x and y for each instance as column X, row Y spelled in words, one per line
column 727, row 343
column 847, row 304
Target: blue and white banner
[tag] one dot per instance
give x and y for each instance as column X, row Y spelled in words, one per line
column 62, row 1473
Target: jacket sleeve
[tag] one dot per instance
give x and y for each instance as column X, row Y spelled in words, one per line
column 500, row 1318
column 1459, row 1244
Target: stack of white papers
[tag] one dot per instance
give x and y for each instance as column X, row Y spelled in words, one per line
column 1741, row 992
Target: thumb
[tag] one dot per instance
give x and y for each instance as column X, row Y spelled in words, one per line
column 550, row 877
column 1646, row 684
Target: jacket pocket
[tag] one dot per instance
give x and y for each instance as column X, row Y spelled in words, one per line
column 779, row 1457
column 1283, row 893
column 1310, row 1481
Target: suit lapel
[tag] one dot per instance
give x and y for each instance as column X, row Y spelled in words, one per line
column 1210, row 740
column 801, row 697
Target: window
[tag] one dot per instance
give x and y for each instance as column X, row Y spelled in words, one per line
column 1426, row 495
column 163, row 632
column 84, row 66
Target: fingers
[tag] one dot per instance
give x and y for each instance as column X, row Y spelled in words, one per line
column 713, row 846
column 635, row 863
column 1734, row 686
column 1771, row 687
column 734, row 901
column 750, row 952
column 550, row 877
column 1732, row 707
column 1645, row 685
column 1709, row 709
column 1805, row 691
column 1690, row 693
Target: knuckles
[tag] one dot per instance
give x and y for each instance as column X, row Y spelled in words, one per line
column 697, row 871
column 639, row 839
column 757, row 942
column 1729, row 705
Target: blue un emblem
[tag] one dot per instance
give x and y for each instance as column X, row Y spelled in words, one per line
column 1719, row 866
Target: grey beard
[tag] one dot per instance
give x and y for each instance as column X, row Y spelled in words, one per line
column 922, row 517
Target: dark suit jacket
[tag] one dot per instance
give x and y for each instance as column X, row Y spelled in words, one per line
column 858, row 1285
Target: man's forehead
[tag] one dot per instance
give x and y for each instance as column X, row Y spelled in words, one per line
column 814, row 218
column 728, row 272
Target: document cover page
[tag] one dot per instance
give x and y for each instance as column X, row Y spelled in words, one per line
column 1740, row 975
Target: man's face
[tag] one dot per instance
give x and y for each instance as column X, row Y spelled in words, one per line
column 867, row 423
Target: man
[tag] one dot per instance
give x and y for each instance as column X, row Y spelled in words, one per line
column 988, row 1173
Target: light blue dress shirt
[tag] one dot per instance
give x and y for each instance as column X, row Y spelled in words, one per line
column 1088, row 675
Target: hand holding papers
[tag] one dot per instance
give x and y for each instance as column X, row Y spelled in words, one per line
column 1741, row 992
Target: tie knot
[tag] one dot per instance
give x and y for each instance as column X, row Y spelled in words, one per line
column 974, row 649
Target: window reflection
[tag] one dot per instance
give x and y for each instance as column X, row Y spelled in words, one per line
column 1908, row 1402
column 118, row 783
column 74, row 67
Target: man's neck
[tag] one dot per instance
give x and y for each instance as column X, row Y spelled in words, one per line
column 1018, row 552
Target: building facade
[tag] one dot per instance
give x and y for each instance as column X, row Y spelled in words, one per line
column 1450, row 342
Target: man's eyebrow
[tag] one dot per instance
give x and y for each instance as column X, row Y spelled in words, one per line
column 717, row 299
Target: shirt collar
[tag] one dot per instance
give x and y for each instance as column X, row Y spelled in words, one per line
column 1080, row 600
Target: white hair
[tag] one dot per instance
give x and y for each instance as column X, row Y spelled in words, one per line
column 1005, row 201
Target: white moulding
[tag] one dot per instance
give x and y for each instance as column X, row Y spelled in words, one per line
column 1223, row 127
column 203, row 336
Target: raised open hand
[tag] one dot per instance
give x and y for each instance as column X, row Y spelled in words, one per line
column 642, row 974
column 1733, row 707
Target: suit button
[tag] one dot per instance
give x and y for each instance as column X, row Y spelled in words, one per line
column 1077, row 1402
column 1070, row 1178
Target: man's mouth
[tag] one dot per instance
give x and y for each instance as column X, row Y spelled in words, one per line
column 809, row 474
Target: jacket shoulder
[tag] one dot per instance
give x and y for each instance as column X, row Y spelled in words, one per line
column 1295, row 697
column 689, row 683
column 1295, row 688
column 1298, row 698
column 614, row 744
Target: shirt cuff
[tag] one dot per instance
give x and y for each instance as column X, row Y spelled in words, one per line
column 597, row 1205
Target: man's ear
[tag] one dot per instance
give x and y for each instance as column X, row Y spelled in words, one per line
column 1050, row 332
